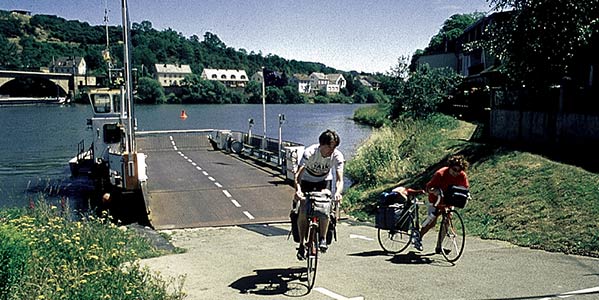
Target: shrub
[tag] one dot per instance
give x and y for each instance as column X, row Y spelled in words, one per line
column 14, row 254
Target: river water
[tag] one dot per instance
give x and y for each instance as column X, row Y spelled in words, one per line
column 37, row 141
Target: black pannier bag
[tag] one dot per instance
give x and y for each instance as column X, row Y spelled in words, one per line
column 457, row 196
column 293, row 214
column 331, row 232
column 387, row 216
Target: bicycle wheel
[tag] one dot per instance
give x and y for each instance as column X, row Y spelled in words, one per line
column 454, row 237
column 396, row 240
column 312, row 256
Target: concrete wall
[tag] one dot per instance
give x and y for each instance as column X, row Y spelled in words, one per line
column 543, row 127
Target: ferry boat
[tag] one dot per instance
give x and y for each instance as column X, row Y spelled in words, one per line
column 112, row 156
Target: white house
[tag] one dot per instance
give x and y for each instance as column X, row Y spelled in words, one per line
column 69, row 64
column 171, row 75
column 302, row 82
column 230, row 78
column 330, row 83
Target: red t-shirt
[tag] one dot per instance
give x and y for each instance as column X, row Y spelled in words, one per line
column 443, row 179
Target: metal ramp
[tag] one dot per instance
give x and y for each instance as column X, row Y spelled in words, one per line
column 192, row 185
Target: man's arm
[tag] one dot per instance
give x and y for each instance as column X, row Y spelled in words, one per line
column 338, row 184
column 297, row 179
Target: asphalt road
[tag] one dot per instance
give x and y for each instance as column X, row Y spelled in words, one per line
column 191, row 185
column 258, row 262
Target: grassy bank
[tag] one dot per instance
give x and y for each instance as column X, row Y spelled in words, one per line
column 45, row 255
column 520, row 197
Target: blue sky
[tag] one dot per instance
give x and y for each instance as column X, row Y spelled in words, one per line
column 345, row 34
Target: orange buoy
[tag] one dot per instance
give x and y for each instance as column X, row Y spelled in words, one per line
column 183, row 115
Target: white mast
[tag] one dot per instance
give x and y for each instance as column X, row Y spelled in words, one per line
column 130, row 147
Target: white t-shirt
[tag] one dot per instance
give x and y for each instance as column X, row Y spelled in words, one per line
column 318, row 168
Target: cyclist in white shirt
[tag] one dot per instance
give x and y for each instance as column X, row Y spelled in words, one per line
column 315, row 173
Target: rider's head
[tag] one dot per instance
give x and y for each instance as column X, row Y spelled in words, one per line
column 328, row 140
column 457, row 163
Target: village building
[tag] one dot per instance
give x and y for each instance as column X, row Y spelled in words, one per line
column 170, row 74
column 230, row 78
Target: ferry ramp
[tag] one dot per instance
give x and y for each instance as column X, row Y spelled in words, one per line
column 192, row 185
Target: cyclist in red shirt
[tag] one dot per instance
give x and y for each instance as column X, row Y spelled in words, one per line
column 453, row 174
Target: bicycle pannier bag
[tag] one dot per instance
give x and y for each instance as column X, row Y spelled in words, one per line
column 457, row 196
column 322, row 203
column 294, row 229
column 331, row 233
column 388, row 198
column 387, row 216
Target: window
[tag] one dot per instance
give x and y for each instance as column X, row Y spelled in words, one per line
column 232, row 76
column 112, row 133
column 214, row 76
column 223, row 76
column 242, row 76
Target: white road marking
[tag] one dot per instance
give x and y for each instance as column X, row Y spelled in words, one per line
column 180, row 153
column 175, row 147
column 574, row 293
column 211, row 178
column 199, row 169
column 205, row 173
column 235, row 203
column 218, row 184
column 334, row 295
column 189, row 160
column 170, row 137
column 185, row 157
column 247, row 214
column 356, row 236
column 227, row 193
column 193, row 164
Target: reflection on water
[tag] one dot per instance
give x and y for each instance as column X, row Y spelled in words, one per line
column 38, row 141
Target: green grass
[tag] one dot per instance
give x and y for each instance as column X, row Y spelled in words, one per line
column 519, row 197
column 45, row 255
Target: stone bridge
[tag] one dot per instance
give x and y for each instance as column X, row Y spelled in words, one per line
column 63, row 80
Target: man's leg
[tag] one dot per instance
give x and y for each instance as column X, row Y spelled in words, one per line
column 302, row 226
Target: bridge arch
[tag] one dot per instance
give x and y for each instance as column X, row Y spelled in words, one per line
column 33, row 86
column 22, row 83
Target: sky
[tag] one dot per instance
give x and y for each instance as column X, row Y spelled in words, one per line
column 349, row 35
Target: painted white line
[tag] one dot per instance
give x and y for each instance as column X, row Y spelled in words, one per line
column 573, row 293
column 334, row 295
column 218, row 184
column 173, row 143
column 247, row 214
column 189, row 160
column 211, row 178
column 356, row 236
column 185, row 157
column 175, row 147
column 170, row 137
column 180, row 153
column 205, row 173
column 227, row 193
column 193, row 164
column 199, row 169
column 235, row 203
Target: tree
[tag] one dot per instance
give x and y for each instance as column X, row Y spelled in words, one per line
column 451, row 30
column 424, row 91
column 539, row 40
column 149, row 91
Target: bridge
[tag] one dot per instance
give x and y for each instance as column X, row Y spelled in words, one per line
column 64, row 81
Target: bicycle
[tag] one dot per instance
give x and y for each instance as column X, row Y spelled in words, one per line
column 406, row 227
column 313, row 234
column 451, row 234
